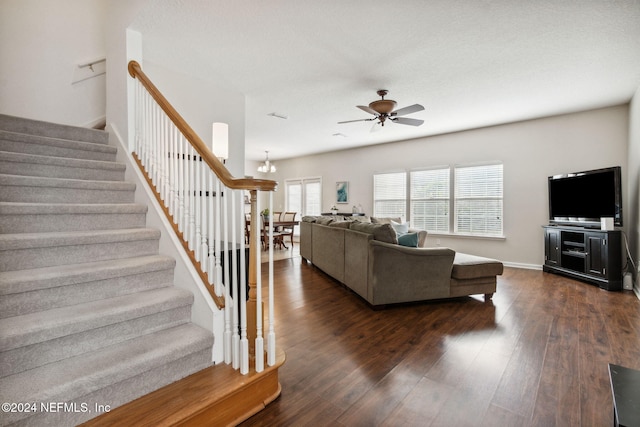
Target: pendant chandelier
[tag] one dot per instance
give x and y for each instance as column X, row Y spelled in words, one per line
column 267, row 166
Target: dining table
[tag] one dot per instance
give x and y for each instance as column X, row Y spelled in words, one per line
column 275, row 224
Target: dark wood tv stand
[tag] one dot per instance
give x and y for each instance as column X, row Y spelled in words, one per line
column 590, row 255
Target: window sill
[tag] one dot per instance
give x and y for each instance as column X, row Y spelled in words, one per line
column 466, row 236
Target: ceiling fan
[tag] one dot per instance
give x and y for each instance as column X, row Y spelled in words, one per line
column 384, row 109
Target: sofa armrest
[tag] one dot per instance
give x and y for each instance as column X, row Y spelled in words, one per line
column 402, row 274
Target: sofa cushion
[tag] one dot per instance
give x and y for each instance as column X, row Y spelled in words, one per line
column 381, row 232
column 340, row 224
column 467, row 266
column 408, row 239
column 309, row 218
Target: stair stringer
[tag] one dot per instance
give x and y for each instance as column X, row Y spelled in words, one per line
column 204, row 312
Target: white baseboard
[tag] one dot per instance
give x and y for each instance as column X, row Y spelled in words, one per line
column 522, row 265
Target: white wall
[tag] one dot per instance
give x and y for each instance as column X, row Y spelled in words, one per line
column 201, row 103
column 118, row 17
column 41, row 43
column 530, row 151
column 633, row 199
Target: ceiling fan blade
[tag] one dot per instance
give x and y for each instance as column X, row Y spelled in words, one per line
column 367, row 109
column 408, row 110
column 359, row 120
column 407, row 121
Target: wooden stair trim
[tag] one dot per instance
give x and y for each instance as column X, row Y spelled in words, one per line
column 218, row 393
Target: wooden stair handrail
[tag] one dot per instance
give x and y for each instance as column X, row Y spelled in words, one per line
column 201, row 148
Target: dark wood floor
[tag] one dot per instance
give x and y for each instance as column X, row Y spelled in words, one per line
column 535, row 356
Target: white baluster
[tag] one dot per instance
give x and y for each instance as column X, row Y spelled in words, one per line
column 172, row 173
column 259, row 343
column 212, row 238
column 176, row 176
column 232, row 281
column 152, row 144
column 145, row 135
column 271, row 337
column 231, row 338
column 244, row 342
column 219, row 246
column 204, row 219
column 192, row 198
column 138, row 116
column 165, row 161
column 180, row 178
column 198, row 201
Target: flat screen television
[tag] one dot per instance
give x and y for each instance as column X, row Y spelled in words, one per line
column 583, row 198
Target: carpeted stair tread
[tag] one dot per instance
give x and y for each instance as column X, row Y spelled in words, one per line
column 25, row 143
column 36, row 181
column 71, row 379
column 60, row 167
column 12, row 282
column 23, row 217
column 56, row 130
column 73, row 238
column 42, row 326
column 18, row 208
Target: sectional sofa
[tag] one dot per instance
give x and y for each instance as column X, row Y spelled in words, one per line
column 367, row 258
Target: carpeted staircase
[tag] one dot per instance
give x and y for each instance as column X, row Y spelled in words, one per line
column 89, row 315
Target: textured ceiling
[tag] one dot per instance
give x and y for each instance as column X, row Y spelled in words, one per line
column 470, row 63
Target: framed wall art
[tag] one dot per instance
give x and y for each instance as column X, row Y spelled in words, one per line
column 342, row 192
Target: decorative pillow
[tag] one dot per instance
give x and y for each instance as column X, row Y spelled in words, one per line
column 408, row 239
column 385, row 233
column 324, row 220
column 400, row 228
column 363, row 227
column 309, row 218
column 381, row 220
column 381, row 232
column 361, row 219
column 340, row 224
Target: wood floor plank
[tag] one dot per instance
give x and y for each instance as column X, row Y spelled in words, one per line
column 535, row 356
column 558, row 398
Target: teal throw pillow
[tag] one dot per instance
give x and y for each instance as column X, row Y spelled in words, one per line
column 409, row 239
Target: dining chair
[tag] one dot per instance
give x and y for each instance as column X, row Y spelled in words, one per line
column 277, row 236
column 287, row 230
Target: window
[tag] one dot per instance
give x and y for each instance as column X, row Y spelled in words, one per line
column 471, row 204
column 390, row 194
column 304, row 196
column 478, row 199
column 430, row 199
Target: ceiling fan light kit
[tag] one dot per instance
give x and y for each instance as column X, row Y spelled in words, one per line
column 384, row 109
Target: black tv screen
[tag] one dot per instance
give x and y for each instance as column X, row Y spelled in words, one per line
column 583, row 198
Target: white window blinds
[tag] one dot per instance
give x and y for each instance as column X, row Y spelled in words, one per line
column 430, row 198
column 478, row 199
column 390, row 194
